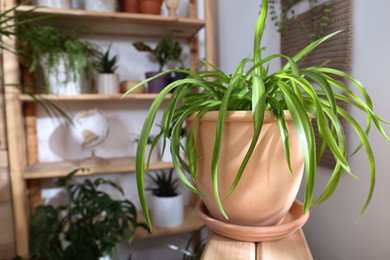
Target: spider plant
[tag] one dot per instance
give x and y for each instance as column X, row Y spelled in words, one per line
column 306, row 93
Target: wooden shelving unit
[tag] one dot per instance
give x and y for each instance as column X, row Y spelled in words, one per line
column 118, row 24
column 109, row 165
column 191, row 223
column 91, row 97
column 26, row 170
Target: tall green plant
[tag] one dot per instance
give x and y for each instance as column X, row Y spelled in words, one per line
column 304, row 92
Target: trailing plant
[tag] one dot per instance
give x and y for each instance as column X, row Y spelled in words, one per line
column 305, row 93
column 319, row 17
column 105, row 64
column 163, row 184
column 53, row 44
column 91, row 224
column 166, row 50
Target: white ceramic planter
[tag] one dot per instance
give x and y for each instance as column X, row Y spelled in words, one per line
column 100, row 5
column 64, row 4
column 108, row 83
column 167, row 212
column 57, row 80
column 167, row 156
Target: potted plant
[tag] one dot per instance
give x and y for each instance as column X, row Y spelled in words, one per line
column 163, row 53
column 129, row 6
column 151, row 149
column 167, row 202
column 62, row 56
column 91, row 225
column 265, row 117
column 108, row 80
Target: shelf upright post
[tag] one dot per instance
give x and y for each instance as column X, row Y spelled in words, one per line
column 15, row 139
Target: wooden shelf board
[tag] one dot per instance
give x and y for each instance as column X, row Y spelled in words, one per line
column 91, row 97
column 191, row 223
column 121, row 24
column 110, row 165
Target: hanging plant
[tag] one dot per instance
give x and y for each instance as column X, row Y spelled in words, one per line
column 320, row 16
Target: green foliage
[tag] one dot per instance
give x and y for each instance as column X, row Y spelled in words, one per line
column 319, row 21
column 53, row 44
column 165, row 51
column 164, row 185
column 303, row 92
column 105, row 64
column 92, row 223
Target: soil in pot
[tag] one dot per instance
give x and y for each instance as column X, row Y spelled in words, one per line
column 150, row 6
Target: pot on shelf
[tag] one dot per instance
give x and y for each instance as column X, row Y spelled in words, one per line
column 267, row 189
column 158, row 84
column 59, row 80
column 129, row 6
column 150, row 6
column 100, row 5
column 62, row 4
column 167, row 212
column 108, row 83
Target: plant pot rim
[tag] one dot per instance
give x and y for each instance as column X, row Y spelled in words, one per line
column 240, row 116
column 165, row 197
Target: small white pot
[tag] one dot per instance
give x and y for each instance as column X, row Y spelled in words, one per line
column 167, row 212
column 108, row 83
column 100, row 5
column 166, row 156
column 64, row 4
column 57, row 80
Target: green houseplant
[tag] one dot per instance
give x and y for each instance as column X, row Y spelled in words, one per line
column 108, row 80
column 167, row 201
column 92, row 224
column 166, row 50
column 62, row 56
column 287, row 100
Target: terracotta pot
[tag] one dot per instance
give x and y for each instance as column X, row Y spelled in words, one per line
column 150, row 6
column 266, row 190
column 129, row 6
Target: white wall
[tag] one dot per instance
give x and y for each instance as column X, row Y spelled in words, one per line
column 331, row 230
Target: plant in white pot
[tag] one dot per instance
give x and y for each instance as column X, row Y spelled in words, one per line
column 250, row 136
column 167, row 202
column 63, row 57
column 108, row 80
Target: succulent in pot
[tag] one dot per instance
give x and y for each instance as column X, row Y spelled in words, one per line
column 267, row 106
column 167, row 202
column 62, row 56
column 108, row 80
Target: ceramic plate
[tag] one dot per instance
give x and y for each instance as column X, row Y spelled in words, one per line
column 294, row 220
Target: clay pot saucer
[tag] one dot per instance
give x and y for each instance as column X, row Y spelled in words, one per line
column 294, row 220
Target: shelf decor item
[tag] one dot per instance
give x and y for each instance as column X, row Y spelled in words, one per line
column 100, row 5
column 167, row 203
column 150, row 6
column 165, row 51
column 63, row 57
column 250, row 136
column 62, row 4
column 129, row 6
column 108, row 80
column 91, row 223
